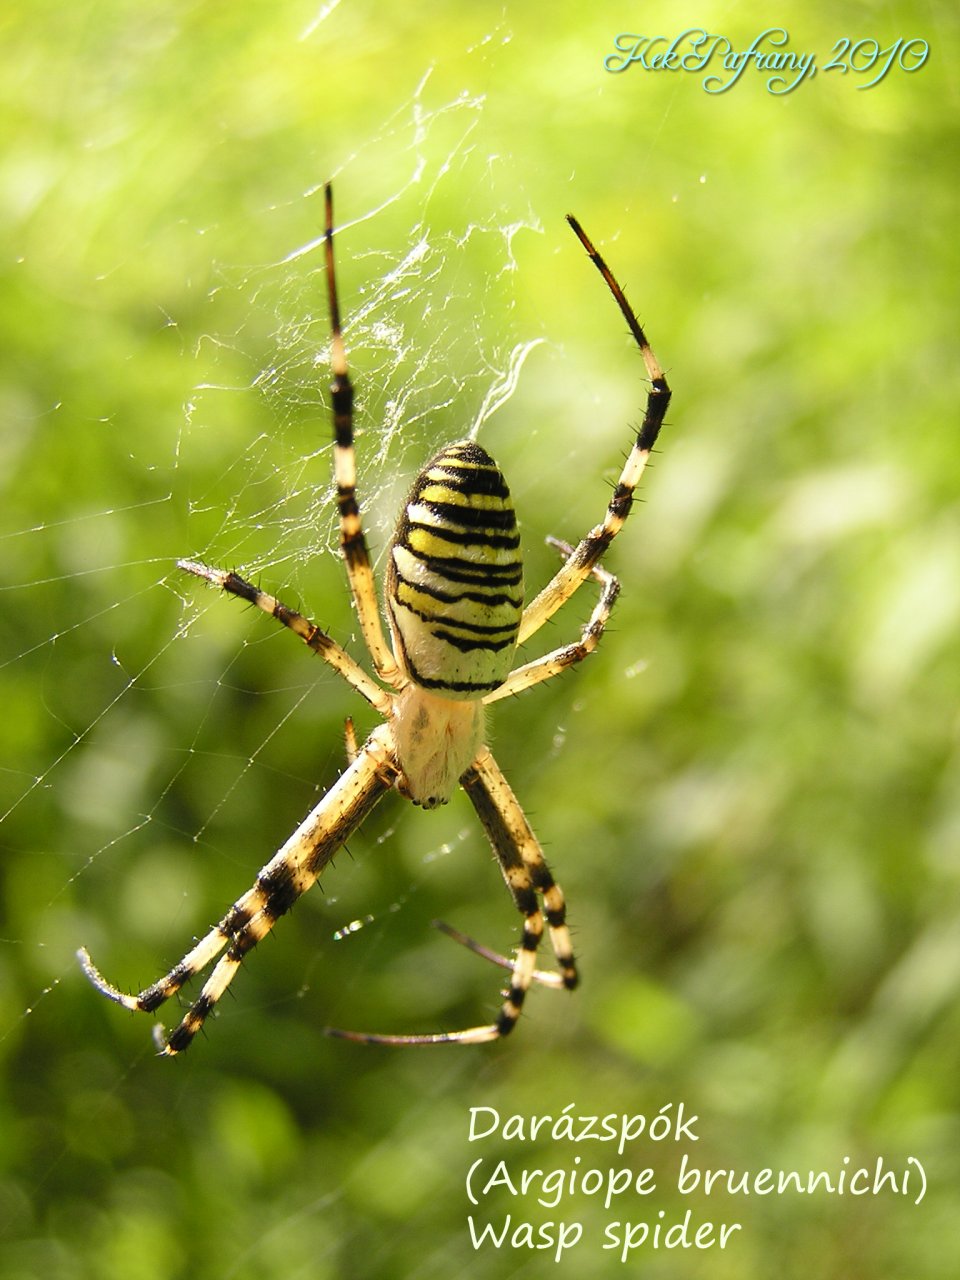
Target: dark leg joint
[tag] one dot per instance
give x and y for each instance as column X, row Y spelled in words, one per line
column 526, row 900
column 154, row 996
column 280, row 893
column 238, row 586
column 505, row 1024
column 530, row 941
column 354, row 549
column 621, row 502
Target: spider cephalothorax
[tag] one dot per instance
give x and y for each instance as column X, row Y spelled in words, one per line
column 454, row 603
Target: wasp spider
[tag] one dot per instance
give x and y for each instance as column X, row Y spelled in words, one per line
column 454, row 606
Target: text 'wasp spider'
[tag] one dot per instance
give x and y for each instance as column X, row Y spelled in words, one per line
column 454, row 606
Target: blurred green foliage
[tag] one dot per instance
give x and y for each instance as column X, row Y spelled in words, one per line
column 751, row 794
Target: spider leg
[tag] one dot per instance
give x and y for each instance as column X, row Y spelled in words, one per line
column 527, row 876
column 350, row 740
column 543, row 976
column 580, row 563
column 353, row 543
column 523, row 865
column 288, row 875
column 557, row 660
column 308, row 631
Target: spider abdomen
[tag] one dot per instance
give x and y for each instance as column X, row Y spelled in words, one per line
column 455, row 576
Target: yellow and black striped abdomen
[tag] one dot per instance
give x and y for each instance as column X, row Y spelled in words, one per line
column 455, row 576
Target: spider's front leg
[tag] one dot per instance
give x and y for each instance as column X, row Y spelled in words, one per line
column 528, row 878
column 288, row 875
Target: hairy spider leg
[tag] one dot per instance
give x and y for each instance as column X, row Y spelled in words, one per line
column 289, row 874
column 578, row 566
column 544, row 976
column 353, row 542
column 311, row 635
column 528, row 878
column 557, row 660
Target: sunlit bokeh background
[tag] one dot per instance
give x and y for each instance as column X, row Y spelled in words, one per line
column 750, row 795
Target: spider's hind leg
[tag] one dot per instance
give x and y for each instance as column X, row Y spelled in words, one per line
column 585, row 556
column 353, row 542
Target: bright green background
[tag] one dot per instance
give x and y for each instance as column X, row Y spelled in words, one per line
column 751, row 794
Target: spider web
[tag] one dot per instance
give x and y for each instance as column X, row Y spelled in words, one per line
column 243, row 479
column 416, row 365
column 162, row 741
